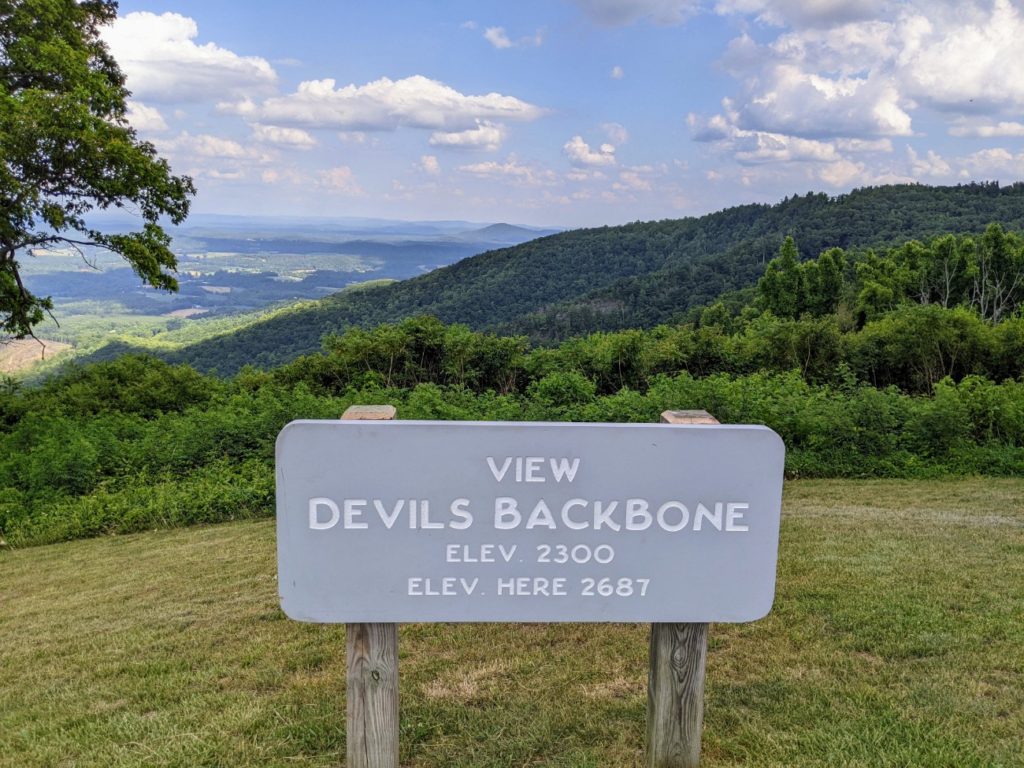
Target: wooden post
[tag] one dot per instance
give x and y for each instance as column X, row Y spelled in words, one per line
column 675, row 683
column 371, row 723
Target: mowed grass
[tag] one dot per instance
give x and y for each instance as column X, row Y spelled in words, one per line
column 897, row 639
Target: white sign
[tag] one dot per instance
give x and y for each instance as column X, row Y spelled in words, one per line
column 404, row 521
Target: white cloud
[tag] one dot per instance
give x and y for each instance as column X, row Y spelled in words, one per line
column 340, row 180
column 615, row 132
column 762, row 147
column 291, row 138
column 429, row 164
column 931, row 164
column 617, row 73
column 988, row 130
column 616, row 13
column 214, row 157
column 631, row 180
column 485, row 135
column 862, row 69
column 714, row 128
column 864, row 145
column 233, row 174
column 511, row 168
column 163, row 63
column 814, row 158
column 281, row 175
column 496, row 36
column 144, row 118
column 964, row 57
column 205, row 145
column 580, row 153
column 997, row 162
column 385, row 104
column 790, row 100
column 842, row 173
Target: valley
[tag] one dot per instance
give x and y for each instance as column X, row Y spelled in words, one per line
column 233, row 270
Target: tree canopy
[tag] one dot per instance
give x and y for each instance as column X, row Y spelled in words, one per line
column 67, row 150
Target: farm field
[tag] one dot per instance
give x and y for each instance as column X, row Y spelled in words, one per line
column 18, row 354
column 896, row 640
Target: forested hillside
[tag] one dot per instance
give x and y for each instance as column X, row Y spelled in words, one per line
column 905, row 362
column 637, row 275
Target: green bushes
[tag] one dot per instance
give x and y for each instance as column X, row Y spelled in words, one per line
column 215, row 493
column 135, row 444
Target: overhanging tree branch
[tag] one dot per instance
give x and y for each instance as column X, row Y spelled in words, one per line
column 67, row 150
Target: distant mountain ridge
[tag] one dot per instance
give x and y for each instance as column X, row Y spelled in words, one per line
column 636, row 275
column 506, row 233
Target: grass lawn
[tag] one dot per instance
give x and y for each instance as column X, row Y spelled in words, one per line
column 897, row 639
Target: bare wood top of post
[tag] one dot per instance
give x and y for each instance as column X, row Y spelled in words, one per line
column 688, row 417
column 369, row 413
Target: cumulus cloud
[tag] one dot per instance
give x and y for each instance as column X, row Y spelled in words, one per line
column 617, row 13
column 290, row 138
column 790, row 100
column 144, row 118
column 761, row 147
column 385, row 104
column 498, row 37
column 429, row 164
column 204, row 155
column 281, row 176
column 205, row 145
column 633, row 181
column 842, row 173
column 988, row 130
column 859, row 69
column 615, row 132
column 511, row 169
column 931, row 164
column 964, row 57
column 864, row 145
column 580, row 153
column 485, row 135
column 997, row 162
column 824, row 160
column 341, row 180
column 163, row 63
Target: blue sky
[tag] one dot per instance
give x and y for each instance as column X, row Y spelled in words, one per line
column 570, row 112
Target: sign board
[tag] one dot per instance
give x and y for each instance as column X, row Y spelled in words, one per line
column 406, row 521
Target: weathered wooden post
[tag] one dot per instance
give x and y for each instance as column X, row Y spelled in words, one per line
column 371, row 730
column 675, row 682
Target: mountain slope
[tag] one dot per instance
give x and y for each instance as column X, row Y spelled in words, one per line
column 639, row 274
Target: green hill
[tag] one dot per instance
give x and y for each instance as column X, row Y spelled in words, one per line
column 637, row 275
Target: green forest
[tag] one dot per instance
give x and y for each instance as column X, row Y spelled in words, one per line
column 639, row 275
column 905, row 361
